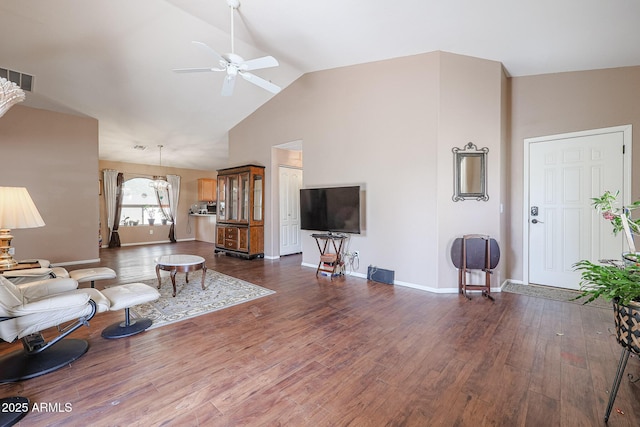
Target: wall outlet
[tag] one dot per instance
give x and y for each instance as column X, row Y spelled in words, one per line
column 150, row 231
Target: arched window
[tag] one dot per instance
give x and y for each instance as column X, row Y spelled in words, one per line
column 140, row 204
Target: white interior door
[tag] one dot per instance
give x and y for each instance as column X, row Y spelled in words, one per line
column 290, row 184
column 565, row 172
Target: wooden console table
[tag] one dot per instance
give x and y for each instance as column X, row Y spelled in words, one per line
column 329, row 261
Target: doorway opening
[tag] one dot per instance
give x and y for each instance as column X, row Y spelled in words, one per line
column 287, row 176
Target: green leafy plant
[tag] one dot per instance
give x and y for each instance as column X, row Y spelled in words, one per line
column 607, row 206
column 612, row 279
column 609, row 280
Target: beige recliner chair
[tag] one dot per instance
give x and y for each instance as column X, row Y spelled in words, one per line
column 27, row 310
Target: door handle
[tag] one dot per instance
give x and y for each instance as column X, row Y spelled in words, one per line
column 535, row 221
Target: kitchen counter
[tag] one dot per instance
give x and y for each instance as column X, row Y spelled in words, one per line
column 205, row 225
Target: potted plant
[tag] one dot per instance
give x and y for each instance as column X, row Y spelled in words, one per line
column 613, row 280
column 164, row 218
column 617, row 281
column 151, row 213
column 620, row 219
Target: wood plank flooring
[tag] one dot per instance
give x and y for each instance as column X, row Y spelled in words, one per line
column 345, row 352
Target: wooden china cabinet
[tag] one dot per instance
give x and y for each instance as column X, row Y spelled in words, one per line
column 240, row 211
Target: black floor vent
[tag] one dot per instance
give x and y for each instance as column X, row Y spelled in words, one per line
column 380, row 275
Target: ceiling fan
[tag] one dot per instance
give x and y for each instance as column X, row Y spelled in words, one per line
column 234, row 65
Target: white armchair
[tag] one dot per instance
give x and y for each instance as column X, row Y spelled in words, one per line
column 30, row 308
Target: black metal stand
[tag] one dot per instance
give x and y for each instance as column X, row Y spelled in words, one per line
column 127, row 328
column 624, row 357
column 21, row 365
column 627, row 322
column 13, row 410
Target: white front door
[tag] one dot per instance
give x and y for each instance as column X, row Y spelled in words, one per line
column 565, row 172
column 290, row 184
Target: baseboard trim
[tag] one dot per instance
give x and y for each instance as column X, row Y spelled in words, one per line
column 409, row 284
column 153, row 243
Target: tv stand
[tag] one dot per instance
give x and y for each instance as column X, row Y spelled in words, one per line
column 329, row 261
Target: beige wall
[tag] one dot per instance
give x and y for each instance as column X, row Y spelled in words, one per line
column 567, row 102
column 186, row 225
column 390, row 127
column 55, row 156
column 470, row 111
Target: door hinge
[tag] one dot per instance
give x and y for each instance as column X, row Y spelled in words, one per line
column 623, row 148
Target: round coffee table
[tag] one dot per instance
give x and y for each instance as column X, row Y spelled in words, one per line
column 182, row 264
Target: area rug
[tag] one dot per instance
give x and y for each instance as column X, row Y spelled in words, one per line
column 221, row 291
column 552, row 293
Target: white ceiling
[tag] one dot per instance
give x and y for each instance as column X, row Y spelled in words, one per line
column 113, row 59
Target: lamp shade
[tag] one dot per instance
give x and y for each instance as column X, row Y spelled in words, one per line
column 17, row 210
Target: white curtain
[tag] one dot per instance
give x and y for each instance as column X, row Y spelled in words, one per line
column 110, row 184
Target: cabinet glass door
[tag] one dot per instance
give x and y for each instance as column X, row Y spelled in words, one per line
column 232, row 199
column 222, row 199
column 257, row 198
column 244, row 197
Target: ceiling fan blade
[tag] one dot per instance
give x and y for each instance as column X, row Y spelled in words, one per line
column 196, row 70
column 209, row 50
column 229, row 83
column 259, row 63
column 259, row 81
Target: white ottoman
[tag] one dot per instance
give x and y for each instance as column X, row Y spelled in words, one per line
column 92, row 274
column 126, row 296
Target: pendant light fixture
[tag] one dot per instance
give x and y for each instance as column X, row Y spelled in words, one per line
column 160, row 182
column 10, row 94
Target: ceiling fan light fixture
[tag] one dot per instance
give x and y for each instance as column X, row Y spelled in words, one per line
column 234, row 64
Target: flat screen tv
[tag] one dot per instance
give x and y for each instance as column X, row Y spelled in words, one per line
column 331, row 209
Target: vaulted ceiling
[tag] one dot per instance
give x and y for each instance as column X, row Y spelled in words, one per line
column 113, row 59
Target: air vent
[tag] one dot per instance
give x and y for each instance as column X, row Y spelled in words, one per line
column 25, row 81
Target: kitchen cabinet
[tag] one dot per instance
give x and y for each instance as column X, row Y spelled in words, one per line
column 207, row 190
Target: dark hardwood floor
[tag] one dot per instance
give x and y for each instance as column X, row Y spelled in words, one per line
column 337, row 353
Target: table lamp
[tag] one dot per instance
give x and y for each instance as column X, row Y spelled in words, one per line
column 17, row 210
